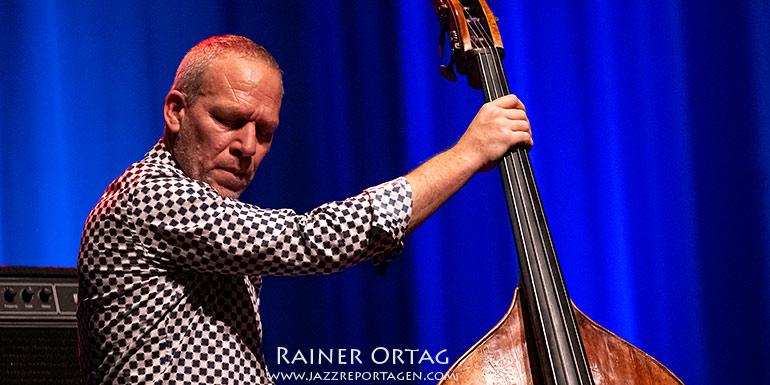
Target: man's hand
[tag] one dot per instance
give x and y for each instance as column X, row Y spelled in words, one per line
column 498, row 127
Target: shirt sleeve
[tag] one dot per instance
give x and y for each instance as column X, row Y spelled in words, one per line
column 183, row 223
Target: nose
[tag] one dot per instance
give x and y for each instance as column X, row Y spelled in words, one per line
column 245, row 141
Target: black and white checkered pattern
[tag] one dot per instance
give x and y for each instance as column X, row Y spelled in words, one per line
column 170, row 271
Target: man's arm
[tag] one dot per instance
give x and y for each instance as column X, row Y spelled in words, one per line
column 180, row 223
column 498, row 126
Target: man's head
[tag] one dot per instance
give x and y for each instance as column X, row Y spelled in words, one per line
column 222, row 111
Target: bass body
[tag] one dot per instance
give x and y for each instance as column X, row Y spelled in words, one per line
column 503, row 357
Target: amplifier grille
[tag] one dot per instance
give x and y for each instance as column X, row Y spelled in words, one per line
column 39, row 355
column 38, row 331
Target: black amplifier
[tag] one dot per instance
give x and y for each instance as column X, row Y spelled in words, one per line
column 38, row 330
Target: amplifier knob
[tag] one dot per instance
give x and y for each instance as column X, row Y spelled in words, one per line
column 9, row 293
column 45, row 294
column 27, row 294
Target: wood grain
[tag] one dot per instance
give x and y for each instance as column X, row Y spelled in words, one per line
column 502, row 357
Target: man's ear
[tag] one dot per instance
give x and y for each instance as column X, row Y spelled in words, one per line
column 173, row 110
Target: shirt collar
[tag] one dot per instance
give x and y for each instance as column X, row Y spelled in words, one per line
column 160, row 154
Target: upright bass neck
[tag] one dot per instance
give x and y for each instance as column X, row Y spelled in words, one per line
column 547, row 307
column 552, row 333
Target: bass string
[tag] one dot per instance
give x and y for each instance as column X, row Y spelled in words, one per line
column 554, row 270
column 557, row 277
column 488, row 71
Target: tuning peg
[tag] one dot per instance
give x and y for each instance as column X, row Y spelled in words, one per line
column 448, row 72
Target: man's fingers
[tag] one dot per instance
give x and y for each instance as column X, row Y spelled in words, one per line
column 522, row 137
column 516, row 120
column 520, row 126
column 515, row 114
column 509, row 102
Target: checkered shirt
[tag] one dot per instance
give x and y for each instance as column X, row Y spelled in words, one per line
column 170, row 271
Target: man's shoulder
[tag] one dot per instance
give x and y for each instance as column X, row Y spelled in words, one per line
column 156, row 166
column 147, row 169
column 157, row 163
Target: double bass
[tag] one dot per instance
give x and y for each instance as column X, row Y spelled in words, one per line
column 543, row 338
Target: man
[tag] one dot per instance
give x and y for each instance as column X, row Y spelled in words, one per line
column 171, row 262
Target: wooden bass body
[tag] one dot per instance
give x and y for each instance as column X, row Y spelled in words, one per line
column 502, row 356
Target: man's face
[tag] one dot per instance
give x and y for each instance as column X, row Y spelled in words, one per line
column 224, row 135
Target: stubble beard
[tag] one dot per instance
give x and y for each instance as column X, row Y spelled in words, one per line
column 187, row 152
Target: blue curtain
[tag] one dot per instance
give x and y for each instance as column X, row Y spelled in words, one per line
column 652, row 131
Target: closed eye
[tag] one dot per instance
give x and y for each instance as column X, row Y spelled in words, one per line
column 265, row 136
column 223, row 121
column 230, row 123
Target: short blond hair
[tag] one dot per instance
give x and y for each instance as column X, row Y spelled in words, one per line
column 189, row 75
